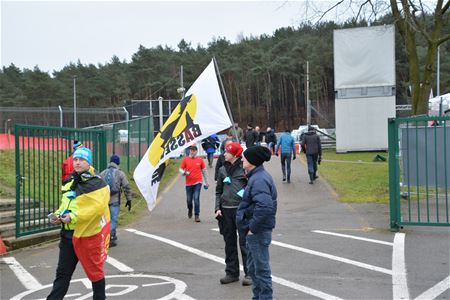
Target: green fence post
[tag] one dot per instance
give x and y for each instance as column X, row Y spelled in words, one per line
column 394, row 192
column 18, row 178
column 128, row 145
column 102, row 150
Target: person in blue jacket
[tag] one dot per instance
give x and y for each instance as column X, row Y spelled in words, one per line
column 287, row 144
column 256, row 219
column 210, row 144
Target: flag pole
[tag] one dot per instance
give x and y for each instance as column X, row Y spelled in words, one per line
column 227, row 105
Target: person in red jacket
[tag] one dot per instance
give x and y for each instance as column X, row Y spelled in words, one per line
column 194, row 170
column 67, row 165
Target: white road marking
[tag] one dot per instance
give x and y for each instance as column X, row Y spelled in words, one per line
column 332, row 257
column 118, row 265
column 336, row 258
column 155, row 284
column 399, row 281
column 354, row 237
column 220, row 260
column 436, row 290
column 177, row 293
column 28, row 281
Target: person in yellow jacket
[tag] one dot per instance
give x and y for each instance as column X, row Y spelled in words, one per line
column 84, row 219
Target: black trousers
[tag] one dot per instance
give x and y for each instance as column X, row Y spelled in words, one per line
column 67, row 262
column 230, row 236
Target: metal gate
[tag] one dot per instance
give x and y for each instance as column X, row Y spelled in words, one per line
column 419, row 171
column 40, row 152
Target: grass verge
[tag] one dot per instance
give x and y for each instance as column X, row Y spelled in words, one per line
column 7, row 173
column 139, row 205
column 355, row 177
column 8, row 182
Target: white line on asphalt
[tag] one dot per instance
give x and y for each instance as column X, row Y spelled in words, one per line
column 156, row 284
column 399, row 281
column 333, row 257
column 28, row 281
column 220, row 260
column 118, row 265
column 436, row 290
column 354, row 237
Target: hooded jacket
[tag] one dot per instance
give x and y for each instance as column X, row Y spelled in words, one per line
column 258, row 207
column 287, row 144
column 311, row 143
column 120, row 180
column 226, row 193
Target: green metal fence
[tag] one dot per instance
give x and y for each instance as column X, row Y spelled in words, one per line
column 39, row 154
column 128, row 139
column 419, row 171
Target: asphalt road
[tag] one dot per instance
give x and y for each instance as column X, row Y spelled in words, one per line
column 321, row 249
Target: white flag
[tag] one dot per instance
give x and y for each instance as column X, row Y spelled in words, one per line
column 199, row 114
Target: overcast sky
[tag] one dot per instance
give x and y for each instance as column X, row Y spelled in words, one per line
column 52, row 34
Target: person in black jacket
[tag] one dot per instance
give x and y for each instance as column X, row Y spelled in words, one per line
column 256, row 218
column 271, row 139
column 312, row 147
column 251, row 136
column 231, row 182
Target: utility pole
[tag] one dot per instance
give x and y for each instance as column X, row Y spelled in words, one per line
column 181, row 89
column 308, row 101
column 75, row 101
column 438, row 71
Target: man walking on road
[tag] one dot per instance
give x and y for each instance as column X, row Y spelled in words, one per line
column 287, row 153
column 312, row 147
column 231, row 182
column 84, row 219
column 271, row 139
column 194, row 169
column 251, row 136
column 118, row 182
column 236, row 131
column 256, row 217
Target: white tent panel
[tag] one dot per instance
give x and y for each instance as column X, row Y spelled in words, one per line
column 361, row 123
column 364, row 57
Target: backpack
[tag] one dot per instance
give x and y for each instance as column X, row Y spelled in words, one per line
column 110, row 180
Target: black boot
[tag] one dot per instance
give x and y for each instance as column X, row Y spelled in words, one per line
column 315, row 176
column 311, row 178
column 98, row 288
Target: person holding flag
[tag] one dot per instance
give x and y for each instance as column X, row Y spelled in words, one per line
column 84, row 219
column 194, row 169
column 199, row 114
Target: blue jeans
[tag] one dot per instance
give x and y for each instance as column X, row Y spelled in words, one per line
column 258, row 263
column 193, row 193
column 114, row 209
column 286, row 165
column 312, row 163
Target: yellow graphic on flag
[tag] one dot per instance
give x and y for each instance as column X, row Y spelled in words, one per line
column 181, row 118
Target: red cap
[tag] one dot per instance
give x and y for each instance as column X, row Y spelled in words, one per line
column 234, row 148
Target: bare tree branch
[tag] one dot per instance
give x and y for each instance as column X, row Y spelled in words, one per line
column 411, row 19
column 360, row 8
column 443, row 39
column 328, row 10
column 445, row 8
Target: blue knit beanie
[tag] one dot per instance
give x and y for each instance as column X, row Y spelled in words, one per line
column 84, row 153
column 115, row 159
